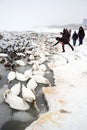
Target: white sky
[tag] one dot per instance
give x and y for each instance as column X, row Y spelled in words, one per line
column 23, row 14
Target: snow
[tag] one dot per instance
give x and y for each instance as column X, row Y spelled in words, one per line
column 3, row 55
column 67, row 100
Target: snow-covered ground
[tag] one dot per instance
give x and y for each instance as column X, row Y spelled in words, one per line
column 67, row 100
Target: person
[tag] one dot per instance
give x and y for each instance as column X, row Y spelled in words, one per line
column 81, row 35
column 64, row 40
column 69, row 33
column 74, row 38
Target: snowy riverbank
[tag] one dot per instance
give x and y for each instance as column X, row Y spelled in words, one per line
column 67, row 100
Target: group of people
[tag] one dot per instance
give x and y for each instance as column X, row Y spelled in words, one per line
column 66, row 35
column 80, row 35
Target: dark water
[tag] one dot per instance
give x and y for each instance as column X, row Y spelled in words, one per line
column 18, row 120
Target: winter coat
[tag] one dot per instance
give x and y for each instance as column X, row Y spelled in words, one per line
column 75, row 36
column 81, row 33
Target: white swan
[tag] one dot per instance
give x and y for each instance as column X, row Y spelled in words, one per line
column 41, row 70
column 29, row 96
column 41, row 79
column 11, row 76
column 43, row 67
column 21, row 77
column 14, row 101
column 20, row 54
column 52, row 65
column 32, row 84
column 43, row 58
column 31, row 57
column 15, row 90
column 28, row 73
column 38, row 72
column 20, row 62
column 35, row 66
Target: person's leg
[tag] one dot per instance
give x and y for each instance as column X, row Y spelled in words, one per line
column 71, row 46
column 74, row 42
column 80, row 41
column 63, row 47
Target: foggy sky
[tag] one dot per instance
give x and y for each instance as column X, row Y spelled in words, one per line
column 23, row 14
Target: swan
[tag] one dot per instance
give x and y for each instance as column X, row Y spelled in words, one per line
column 31, row 57
column 38, row 72
column 43, row 67
column 21, row 77
column 15, row 90
column 35, row 66
column 3, row 55
column 41, row 79
column 20, row 54
column 29, row 96
column 20, row 62
column 11, row 76
column 47, row 53
column 39, row 69
column 32, row 84
column 51, row 65
column 14, row 101
column 28, row 73
column 43, row 58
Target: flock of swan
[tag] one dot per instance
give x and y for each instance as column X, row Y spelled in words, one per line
column 22, row 93
column 27, row 92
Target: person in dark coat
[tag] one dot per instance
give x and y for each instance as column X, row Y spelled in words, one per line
column 74, row 38
column 81, row 35
column 64, row 40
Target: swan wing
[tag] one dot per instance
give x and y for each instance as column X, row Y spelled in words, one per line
column 16, row 89
column 17, row 103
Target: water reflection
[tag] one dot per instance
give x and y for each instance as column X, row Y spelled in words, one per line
column 5, row 114
column 13, row 125
column 22, row 116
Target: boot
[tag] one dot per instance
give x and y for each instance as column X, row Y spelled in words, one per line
column 63, row 50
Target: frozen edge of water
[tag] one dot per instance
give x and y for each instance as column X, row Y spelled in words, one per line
column 69, row 112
